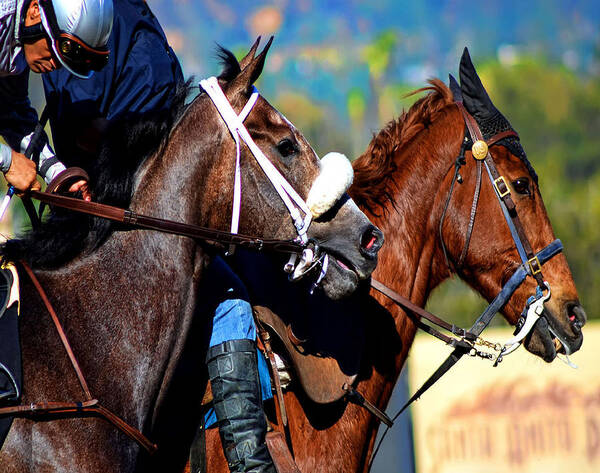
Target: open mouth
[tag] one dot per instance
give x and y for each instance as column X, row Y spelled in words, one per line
column 343, row 264
column 341, row 278
column 553, row 343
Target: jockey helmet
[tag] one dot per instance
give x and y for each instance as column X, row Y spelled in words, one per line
column 78, row 31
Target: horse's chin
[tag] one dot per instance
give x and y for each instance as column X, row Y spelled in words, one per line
column 540, row 341
column 545, row 343
column 340, row 280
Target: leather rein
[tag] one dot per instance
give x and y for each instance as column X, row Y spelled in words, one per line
column 465, row 341
column 133, row 220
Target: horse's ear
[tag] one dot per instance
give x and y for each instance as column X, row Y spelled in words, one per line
column 244, row 81
column 475, row 98
column 250, row 56
column 455, row 88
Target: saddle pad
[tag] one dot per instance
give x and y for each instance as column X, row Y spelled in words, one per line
column 333, row 333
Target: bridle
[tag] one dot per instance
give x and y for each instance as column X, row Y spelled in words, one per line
column 466, row 341
column 293, row 202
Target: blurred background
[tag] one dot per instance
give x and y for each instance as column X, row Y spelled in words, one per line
column 340, row 70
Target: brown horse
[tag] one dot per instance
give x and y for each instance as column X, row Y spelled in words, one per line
column 128, row 302
column 402, row 182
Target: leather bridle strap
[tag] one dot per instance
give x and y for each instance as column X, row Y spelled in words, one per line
column 138, row 221
column 80, row 409
column 477, row 328
column 503, row 192
column 414, row 310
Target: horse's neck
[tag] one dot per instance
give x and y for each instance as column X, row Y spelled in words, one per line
column 410, row 261
column 135, row 295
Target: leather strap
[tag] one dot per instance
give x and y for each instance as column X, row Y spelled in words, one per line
column 414, row 309
column 90, row 405
column 463, row 254
column 280, row 410
column 355, row 397
column 138, row 221
column 59, row 329
column 280, row 453
column 68, row 176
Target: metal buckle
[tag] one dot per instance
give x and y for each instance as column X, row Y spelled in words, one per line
column 501, row 192
column 535, row 265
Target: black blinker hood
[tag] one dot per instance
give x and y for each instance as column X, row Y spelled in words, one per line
column 478, row 103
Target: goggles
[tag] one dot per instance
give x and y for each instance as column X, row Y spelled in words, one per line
column 73, row 53
column 79, row 57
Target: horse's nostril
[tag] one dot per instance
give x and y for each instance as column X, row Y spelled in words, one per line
column 371, row 240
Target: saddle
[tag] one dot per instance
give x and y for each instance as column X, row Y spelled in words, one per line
column 325, row 354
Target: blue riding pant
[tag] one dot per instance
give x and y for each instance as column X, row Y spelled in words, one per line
column 233, row 319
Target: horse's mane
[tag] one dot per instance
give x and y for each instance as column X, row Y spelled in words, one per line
column 373, row 170
column 128, row 142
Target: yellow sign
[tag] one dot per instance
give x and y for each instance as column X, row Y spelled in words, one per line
column 525, row 416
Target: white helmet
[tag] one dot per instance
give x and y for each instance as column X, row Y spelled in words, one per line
column 78, row 31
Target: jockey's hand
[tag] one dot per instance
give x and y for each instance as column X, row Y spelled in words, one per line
column 22, row 173
column 84, row 188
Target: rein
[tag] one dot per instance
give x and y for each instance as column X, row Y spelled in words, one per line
column 138, row 221
column 531, row 265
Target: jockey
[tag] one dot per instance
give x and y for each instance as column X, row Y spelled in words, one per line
column 141, row 75
column 43, row 35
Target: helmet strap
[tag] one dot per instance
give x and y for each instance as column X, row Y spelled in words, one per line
column 30, row 34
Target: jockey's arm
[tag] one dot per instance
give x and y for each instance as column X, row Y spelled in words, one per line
column 17, row 122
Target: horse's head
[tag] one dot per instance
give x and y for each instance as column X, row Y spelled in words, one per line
column 312, row 191
column 492, row 255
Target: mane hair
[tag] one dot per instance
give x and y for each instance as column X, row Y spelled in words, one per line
column 229, row 63
column 128, row 142
column 373, row 170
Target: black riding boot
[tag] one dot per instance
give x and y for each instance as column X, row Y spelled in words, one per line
column 233, row 372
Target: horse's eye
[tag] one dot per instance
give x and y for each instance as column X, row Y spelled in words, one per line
column 521, row 186
column 286, row 147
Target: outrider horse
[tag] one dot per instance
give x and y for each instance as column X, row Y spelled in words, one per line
column 402, row 182
column 127, row 299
